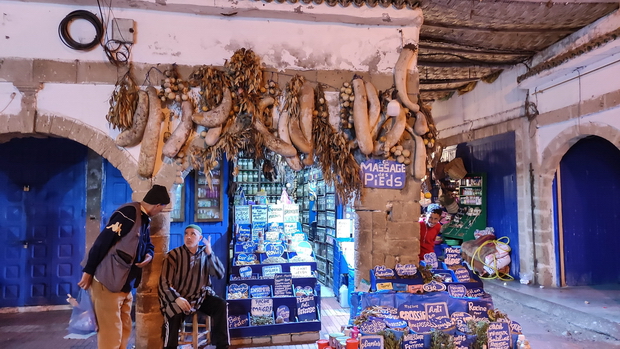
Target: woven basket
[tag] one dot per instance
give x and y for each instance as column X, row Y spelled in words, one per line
column 456, row 169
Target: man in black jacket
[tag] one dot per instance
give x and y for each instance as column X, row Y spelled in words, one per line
column 129, row 225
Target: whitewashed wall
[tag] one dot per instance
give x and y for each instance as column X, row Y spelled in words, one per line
column 284, row 36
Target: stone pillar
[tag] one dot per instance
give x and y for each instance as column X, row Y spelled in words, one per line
column 27, row 116
column 387, row 231
column 149, row 319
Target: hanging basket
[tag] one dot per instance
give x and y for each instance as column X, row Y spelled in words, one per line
column 456, row 169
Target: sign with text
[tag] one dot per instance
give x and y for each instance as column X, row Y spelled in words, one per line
column 306, row 308
column 372, row 325
column 344, row 228
column 236, row 291
column 242, row 214
column 457, row 291
column 292, row 228
column 260, row 213
column 395, row 323
column 515, row 328
column 275, row 213
column 416, row 317
column 462, row 341
column 434, row 286
column 431, row 259
column 404, row 270
column 371, row 342
column 261, row 307
column 283, row 285
column 384, row 174
column 438, row 315
column 303, row 248
column 498, row 336
column 274, row 250
column 383, row 286
column 245, row 272
column 244, row 232
column 246, row 258
column 478, row 309
column 260, row 291
column 270, row 270
column 460, row 319
column 284, row 313
column 301, row 271
column 383, row 272
column 462, row 274
column 271, row 235
column 475, row 292
column 291, row 213
column 413, row 341
column 258, row 229
column 237, row 321
column 453, row 256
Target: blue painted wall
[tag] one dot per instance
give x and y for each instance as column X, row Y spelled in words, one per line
column 497, row 158
column 590, row 187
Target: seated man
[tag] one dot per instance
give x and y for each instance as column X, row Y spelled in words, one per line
column 185, row 287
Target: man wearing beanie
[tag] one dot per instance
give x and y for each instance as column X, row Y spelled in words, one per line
column 114, row 266
column 185, row 287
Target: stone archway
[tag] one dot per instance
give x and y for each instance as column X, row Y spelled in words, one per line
column 551, row 157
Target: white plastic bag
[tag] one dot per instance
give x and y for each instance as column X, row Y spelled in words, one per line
column 82, row 319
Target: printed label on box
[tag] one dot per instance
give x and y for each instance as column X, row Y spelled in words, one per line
column 260, row 291
column 381, row 286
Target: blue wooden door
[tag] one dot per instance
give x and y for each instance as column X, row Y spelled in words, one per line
column 590, row 188
column 116, row 191
column 42, row 220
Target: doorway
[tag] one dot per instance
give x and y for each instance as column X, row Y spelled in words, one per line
column 589, row 199
column 42, row 220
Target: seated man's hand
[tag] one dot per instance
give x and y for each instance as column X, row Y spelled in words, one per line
column 183, row 304
column 207, row 241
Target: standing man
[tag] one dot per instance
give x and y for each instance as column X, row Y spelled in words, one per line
column 185, row 287
column 114, row 266
column 429, row 229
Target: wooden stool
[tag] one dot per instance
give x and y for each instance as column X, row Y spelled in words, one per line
column 194, row 333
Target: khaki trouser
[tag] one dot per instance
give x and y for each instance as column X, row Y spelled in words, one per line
column 113, row 313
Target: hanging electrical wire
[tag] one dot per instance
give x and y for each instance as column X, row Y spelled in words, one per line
column 118, row 52
column 63, row 30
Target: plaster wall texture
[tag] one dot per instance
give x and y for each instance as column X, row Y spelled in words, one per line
column 486, row 105
column 186, row 38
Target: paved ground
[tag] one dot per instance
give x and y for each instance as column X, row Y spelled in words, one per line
column 567, row 318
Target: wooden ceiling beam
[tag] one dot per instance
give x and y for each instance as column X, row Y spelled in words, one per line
column 446, row 81
column 563, row 31
column 481, row 51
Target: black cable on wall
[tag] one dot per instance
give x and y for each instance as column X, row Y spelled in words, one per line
column 63, row 30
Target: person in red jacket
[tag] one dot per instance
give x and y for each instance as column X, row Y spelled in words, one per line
column 429, row 229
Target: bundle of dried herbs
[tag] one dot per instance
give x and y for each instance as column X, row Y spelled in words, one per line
column 123, row 102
